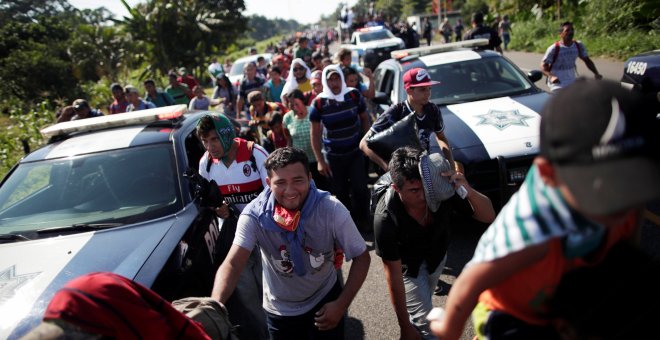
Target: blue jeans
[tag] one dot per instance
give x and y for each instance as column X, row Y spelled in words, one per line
column 419, row 294
column 349, row 184
column 302, row 326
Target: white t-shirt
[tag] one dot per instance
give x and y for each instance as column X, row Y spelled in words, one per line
column 564, row 67
column 238, row 183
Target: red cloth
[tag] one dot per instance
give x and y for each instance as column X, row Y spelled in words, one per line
column 114, row 306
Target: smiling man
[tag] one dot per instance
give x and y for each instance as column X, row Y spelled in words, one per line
column 297, row 229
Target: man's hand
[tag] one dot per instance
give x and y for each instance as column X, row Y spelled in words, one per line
column 329, row 316
column 409, row 332
column 554, row 80
column 324, row 168
column 223, row 211
column 598, row 76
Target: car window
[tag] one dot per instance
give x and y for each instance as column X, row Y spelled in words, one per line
column 377, row 35
column 127, row 185
column 237, row 68
column 475, row 80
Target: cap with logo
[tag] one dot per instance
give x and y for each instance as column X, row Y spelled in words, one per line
column 604, row 144
column 417, row 77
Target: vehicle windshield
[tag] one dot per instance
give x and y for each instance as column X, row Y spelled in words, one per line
column 118, row 186
column 238, row 66
column 476, row 80
column 376, row 35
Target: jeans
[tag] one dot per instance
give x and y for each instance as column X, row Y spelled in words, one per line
column 419, row 294
column 349, row 184
column 302, row 326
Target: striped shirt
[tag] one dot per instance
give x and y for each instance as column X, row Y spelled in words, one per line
column 342, row 129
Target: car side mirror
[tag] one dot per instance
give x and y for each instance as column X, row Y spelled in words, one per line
column 381, row 98
column 534, row 75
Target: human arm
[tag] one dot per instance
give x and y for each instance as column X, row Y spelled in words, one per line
column 315, row 135
column 443, row 143
column 365, row 122
column 482, row 207
column 592, row 67
column 239, row 105
column 394, row 278
column 227, row 275
column 370, row 153
column 370, row 93
column 475, row 279
column 329, row 315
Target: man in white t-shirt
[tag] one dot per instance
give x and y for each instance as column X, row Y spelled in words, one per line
column 215, row 70
column 298, row 229
column 559, row 60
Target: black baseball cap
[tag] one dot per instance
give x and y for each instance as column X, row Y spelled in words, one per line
column 604, row 144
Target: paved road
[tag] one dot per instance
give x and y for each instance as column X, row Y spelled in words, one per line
column 371, row 315
column 610, row 69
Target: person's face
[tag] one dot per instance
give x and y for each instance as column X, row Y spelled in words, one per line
column 173, row 81
column 419, row 95
column 250, row 71
column 290, row 185
column 352, row 80
column 118, row 94
column 299, row 71
column 567, row 32
column 258, row 104
column 223, row 82
column 151, row 88
column 298, row 106
column 81, row 112
column 318, row 63
column 199, row 92
column 212, row 144
column 274, row 75
column 302, row 43
column 132, row 97
column 346, row 60
column 334, row 83
column 412, row 194
column 318, row 87
column 277, row 128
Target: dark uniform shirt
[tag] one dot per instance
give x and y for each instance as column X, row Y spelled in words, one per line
column 484, row 32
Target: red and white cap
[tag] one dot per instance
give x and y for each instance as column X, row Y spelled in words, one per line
column 417, row 77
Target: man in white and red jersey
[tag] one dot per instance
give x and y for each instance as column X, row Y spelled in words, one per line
column 237, row 166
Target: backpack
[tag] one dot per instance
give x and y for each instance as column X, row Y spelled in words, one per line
column 556, row 52
column 379, row 189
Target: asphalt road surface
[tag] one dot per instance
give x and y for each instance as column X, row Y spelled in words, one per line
column 371, row 315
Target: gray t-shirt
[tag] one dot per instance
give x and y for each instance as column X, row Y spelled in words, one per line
column 286, row 293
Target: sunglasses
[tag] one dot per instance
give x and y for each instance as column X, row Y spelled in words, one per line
column 296, row 69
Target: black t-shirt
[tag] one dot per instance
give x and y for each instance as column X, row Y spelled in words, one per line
column 431, row 121
column 484, row 32
column 399, row 237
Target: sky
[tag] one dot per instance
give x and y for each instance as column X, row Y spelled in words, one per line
column 304, row 11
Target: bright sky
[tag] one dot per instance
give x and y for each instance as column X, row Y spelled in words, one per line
column 304, row 11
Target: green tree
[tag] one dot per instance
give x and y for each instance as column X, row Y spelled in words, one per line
column 172, row 33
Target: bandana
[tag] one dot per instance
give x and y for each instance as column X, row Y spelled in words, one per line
column 295, row 238
column 291, row 82
column 327, row 92
column 285, row 218
column 225, row 130
column 534, row 215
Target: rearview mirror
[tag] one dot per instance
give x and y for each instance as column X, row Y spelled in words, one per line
column 534, row 75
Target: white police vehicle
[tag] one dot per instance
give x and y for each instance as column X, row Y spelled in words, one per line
column 489, row 106
column 372, row 45
column 105, row 194
column 237, row 68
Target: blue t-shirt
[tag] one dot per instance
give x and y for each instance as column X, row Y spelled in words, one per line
column 342, row 129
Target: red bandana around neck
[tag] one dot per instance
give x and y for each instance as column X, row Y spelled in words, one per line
column 285, row 218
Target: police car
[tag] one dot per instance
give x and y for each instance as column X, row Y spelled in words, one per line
column 642, row 73
column 371, row 45
column 489, row 106
column 105, row 194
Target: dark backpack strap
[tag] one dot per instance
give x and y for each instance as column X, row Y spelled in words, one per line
column 578, row 48
column 250, row 147
column 555, row 54
column 209, row 163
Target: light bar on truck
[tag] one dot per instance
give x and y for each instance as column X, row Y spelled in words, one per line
column 120, row 119
column 370, row 29
column 426, row 50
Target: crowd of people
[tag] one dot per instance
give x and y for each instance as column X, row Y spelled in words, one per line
column 297, row 183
